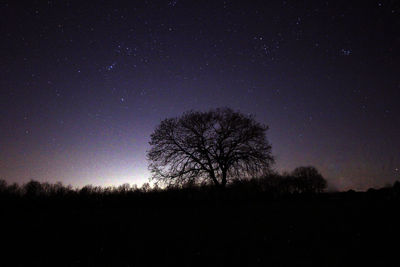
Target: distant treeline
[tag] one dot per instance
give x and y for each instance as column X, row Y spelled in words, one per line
column 275, row 220
column 272, row 186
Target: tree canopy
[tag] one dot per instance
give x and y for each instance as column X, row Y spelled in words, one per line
column 309, row 180
column 215, row 146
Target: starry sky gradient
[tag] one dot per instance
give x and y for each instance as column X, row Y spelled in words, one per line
column 83, row 84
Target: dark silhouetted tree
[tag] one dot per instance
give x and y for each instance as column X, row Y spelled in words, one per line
column 145, row 187
column 3, row 186
column 33, row 188
column 308, row 180
column 214, row 146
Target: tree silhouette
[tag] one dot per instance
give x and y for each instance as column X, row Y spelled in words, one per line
column 33, row 188
column 308, row 180
column 213, row 147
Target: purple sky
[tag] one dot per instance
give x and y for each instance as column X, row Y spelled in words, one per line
column 83, row 84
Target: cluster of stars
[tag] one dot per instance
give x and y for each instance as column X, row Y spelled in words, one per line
column 294, row 65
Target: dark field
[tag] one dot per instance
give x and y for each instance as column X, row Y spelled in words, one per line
column 201, row 228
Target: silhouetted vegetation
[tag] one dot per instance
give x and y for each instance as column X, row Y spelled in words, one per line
column 259, row 218
column 216, row 147
column 305, row 180
column 220, row 205
column 272, row 220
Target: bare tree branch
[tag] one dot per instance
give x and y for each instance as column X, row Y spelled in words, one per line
column 215, row 146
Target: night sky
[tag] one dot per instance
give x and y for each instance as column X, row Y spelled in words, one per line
column 83, row 84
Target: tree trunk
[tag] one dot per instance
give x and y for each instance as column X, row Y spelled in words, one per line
column 223, row 182
column 214, row 179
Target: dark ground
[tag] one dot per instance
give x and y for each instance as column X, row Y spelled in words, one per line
column 194, row 228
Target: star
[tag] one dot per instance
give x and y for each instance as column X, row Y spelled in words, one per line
column 112, row 66
column 345, row 52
